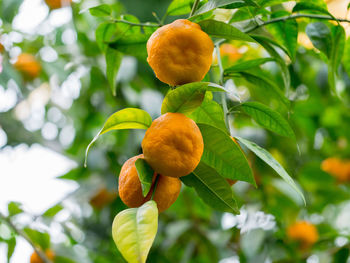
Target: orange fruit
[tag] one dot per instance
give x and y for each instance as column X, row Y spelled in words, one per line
column 230, row 51
column 340, row 169
column 303, row 232
column 102, row 198
column 173, row 145
column 28, row 65
column 55, row 4
column 130, row 191
column 34, row 258
column 180, row 52
column 1, row 48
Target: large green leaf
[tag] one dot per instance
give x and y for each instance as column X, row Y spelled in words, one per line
column 211, row 113
column 179, row 7
column 248, row 64
column 268, row 159
column 307, row 5
column 134, row 230
column 224, row 155
column 320, row 36
column 212, row 188
column 222, row 30
column 268, row 118
column 129, row 118
column 113, row 60
column 145, row 173
column 285, row 32
column 186, row 98
column 346, row 57
column 229, row 4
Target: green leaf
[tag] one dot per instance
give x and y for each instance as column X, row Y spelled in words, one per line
column 265, row 85
column 320, row 36
column 265, row 3
column 14, row 208
column 11, row 245
column 248, row 64
column 101, row 10
column 113, row 60
column 134, row 230
column 211, row 188
column 145, row 173
column 268, row 118
column 285, row 32
column 211, row 113
column 104, row 33
column 186, row 98
column 228, row 4
column 179, row 7
column 346, row 57
column 60, row 259
column 224, row 155
column 222, row 30
column 341, row 256
column 128, row 118
column 52, row 211
column 9, row 9
column 40, row 238
column 311, row 6
column 268, row 159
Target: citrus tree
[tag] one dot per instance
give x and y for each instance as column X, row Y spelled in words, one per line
column 204, row 131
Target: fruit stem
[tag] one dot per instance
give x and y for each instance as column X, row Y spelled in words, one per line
column 194, row 7
column 155, row 186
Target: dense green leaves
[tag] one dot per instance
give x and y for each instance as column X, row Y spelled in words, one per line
column 113, row 60
column 224, row 155
column 222, row 30
column 129, row 118
column 211, row 188
column 267, row 118
column 145, row 173
column 134, row 230
column 268, row 159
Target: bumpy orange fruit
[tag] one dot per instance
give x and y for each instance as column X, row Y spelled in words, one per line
column 303, row 232
column 180, row 52
column 130, row 191
column 340, row 169
column 173, row 145
column 55, row 4
column 28, row 65
column 34, row 258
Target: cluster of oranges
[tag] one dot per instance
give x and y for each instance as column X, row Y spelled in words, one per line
column 338, row 168
column 179, row 53
column 303, row 232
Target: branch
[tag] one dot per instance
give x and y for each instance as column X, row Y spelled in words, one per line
column 135, row 24
column 194, row 7
column 284, row 18
column 19, row 232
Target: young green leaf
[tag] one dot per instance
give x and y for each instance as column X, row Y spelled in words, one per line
column 186, row 98
column 101, row 10
column 211, row 188
column 113, row 60
column 268, row 159
column 179, row 7
column 320, row 36
column 11, row 245
column 14, row 208
column 268, row 118
column 211, row 113
column 311, row 6
column 227, row 4
column 222, row 30
column 224, row 155
column 248, row 64
column 145, row 173
column 134, row 230
column 39, row 238
column 52, row 211
column 128, row 118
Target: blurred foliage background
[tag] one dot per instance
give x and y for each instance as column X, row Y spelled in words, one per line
column 64, row 107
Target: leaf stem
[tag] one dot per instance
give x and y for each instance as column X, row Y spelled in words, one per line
column 194, row 8
column 135, row 24
column 19, row 232
column 284, row 18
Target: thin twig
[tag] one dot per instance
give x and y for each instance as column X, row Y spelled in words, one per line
column 135, row 24
column 19, row 232
column 194, row 8
column 284, row 18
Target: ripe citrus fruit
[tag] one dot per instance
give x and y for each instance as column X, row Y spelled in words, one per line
column 34, row 258
column 180, row 52
column 28, row 65
column 303, row 232
column 340, row 169
column 230, row 51
column 55, row 4
column 130, row 191
column 173, row 145
column 102, row 198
